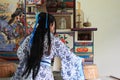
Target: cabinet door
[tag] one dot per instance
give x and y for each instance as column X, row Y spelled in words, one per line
column 67, row 38
column 84, row 45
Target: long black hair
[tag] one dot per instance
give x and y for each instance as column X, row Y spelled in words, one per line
column 37, row 47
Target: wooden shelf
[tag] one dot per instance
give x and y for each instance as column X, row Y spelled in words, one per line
column 28, row 5
column 84, row 29
column 30, row 13
column 56, row 13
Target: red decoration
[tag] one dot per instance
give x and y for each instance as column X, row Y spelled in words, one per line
column 63, row 40
column 85, row 49
column 82, row 49
column 79, row 50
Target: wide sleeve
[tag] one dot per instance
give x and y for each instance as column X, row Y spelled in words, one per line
column 22, row 53
column 23, row 49
column 71, row 68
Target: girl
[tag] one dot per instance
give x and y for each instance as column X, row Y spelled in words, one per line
column 37, row 50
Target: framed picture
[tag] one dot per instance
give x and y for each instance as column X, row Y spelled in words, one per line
column 12, row 24
column 64, row 21
column 82, row 36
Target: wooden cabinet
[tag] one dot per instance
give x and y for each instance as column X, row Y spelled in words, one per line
column 62, row 10
column 84, row 43
column 78, row 38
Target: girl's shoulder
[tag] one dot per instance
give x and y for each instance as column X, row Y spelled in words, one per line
column 26, row 39
column 55, row 39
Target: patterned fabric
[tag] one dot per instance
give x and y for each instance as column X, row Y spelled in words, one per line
column 71, row 64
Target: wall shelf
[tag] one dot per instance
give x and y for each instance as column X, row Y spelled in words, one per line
column 84, row 29
column 60, row 13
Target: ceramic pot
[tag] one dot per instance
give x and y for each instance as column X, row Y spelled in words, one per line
column 87, row 24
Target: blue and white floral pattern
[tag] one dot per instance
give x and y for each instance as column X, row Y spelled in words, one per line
column 71, row 68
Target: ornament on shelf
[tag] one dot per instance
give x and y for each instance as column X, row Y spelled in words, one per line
column 87, row 23
column 79, row 16
column 63, row 7
column 80, row 19
column 51, row 5
column 62, row 23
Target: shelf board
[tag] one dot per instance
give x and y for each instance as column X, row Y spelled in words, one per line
column 65, row 13
column 30, row 13
column 54, row 13
column 33, row 4
column 84, row 29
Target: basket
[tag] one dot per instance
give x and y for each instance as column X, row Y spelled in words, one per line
column 90, row 72
column 3, row 60
column 7, row 69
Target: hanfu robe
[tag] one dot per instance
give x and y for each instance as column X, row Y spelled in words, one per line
column 71, row 65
